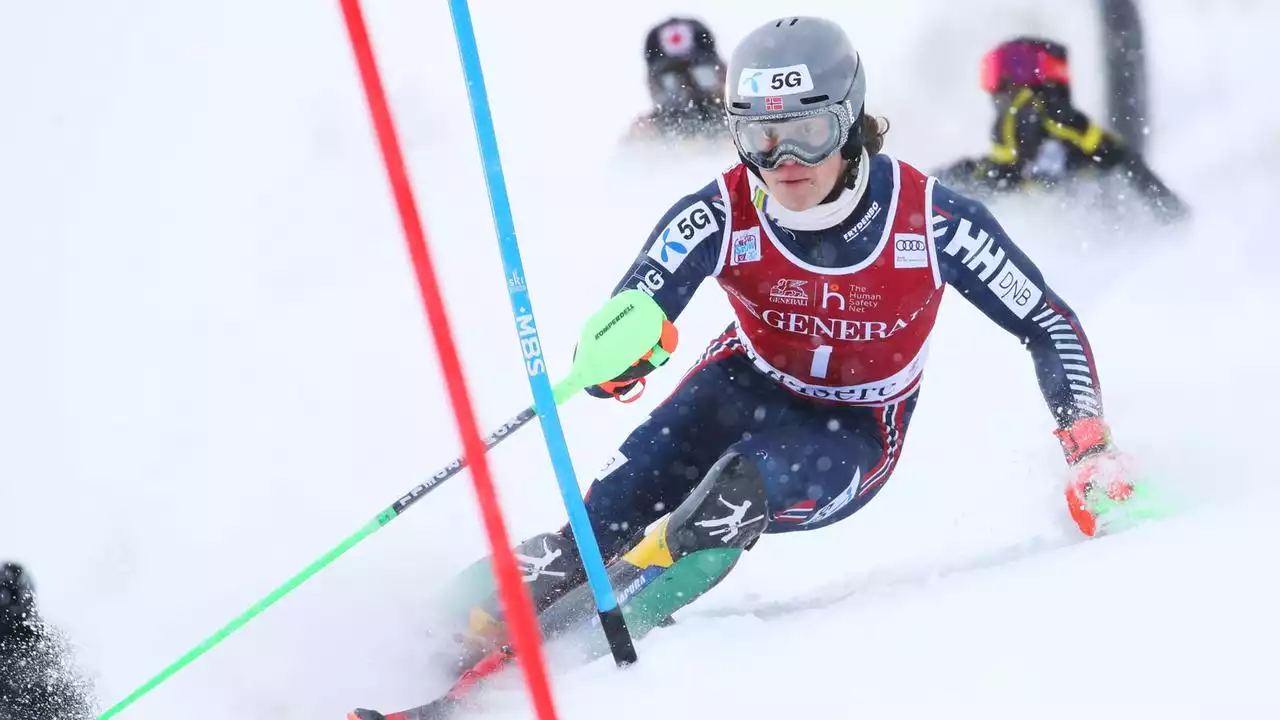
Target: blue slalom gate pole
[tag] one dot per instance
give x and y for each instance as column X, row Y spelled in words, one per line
column 611, row 618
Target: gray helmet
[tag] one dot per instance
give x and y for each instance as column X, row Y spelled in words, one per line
column 793, row 68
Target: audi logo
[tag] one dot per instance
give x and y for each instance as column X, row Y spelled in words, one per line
column 910, row 245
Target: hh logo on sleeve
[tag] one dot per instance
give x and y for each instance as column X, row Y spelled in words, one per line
column 991, row 264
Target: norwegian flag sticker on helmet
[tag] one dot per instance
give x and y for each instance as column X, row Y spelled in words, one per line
column 773, row 103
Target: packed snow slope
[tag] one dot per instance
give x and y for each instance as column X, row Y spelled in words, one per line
column 216, row 366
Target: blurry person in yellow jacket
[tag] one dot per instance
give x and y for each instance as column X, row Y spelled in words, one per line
column 1041, row 139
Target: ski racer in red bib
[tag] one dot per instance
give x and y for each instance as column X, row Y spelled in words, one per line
column 835, row 258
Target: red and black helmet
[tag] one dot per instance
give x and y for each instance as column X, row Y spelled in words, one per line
column 684, row 65
column 1025, row 62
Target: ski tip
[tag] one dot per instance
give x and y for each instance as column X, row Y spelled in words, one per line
column 362, row 714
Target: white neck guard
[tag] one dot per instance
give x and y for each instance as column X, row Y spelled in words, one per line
column 828, row 214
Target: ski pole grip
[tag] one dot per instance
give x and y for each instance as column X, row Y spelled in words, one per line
column 629, row 327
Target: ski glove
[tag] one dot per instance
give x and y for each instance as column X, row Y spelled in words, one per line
column 621, row 386
column 1100, row 472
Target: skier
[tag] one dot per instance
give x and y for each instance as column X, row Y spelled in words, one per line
column 834, row 258
column 35, row 682
column 1041, row 139
column 686, row 78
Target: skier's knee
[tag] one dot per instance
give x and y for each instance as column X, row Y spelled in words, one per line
column 727, row 509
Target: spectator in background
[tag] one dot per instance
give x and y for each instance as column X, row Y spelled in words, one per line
column 1041, row 139
column 686, row 83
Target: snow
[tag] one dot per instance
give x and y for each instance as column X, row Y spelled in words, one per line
column 216, row 367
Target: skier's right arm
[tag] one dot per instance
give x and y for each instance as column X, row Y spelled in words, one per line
column 682, row 250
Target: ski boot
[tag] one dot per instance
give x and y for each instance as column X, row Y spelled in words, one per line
column 681, row 558
column 550, row 566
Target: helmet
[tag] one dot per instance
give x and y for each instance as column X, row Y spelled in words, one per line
column 796, row 90
column 684, row 68
column 1025, row 62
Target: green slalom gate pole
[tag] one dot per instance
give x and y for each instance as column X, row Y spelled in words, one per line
column 628, row 326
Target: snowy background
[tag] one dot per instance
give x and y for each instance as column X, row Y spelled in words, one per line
column 215, row 366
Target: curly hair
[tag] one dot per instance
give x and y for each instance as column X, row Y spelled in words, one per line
column 873, row 131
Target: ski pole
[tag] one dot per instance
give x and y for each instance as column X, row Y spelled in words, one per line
column 612, row 621
column 384, row 517
column 622, row 331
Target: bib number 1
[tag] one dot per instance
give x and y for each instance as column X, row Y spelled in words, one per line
column 821, row 359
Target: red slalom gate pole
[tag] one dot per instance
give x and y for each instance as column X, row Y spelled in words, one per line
column 526, row 638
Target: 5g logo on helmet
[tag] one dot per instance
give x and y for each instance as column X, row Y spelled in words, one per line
column 759, row 82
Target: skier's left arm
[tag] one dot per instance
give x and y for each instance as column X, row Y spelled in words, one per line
column 977, row 257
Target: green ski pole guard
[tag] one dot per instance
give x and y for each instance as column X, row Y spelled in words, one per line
column 613, row 339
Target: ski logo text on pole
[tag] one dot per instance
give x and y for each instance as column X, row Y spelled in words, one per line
column 759, row 82
column 515, row 282
column 530, row 346
column 682, row 235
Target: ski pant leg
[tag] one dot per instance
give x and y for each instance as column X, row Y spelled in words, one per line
column 653, row 470
column 818, row 465
column 731, row 455
column 827, row 468
column 665, row 457
column 809, row 466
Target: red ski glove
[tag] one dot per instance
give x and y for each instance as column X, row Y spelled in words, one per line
column 1101, row 473
column 620, row 387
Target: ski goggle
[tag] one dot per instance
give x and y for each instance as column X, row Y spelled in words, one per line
column 1021, row 64
column 705, row 77
column 807, row 137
